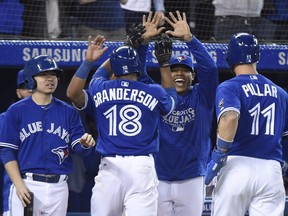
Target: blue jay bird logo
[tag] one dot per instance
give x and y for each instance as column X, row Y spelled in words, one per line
column 181, row 58
column 62, row 152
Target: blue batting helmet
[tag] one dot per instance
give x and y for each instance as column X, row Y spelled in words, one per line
column 20, row 78
column 181, row 60
column 243, row 48
column 125, row 60
column 37, row 65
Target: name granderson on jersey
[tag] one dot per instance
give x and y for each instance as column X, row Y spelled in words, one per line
column 114, row 94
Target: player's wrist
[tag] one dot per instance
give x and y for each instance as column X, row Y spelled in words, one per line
column 188, row 37
column 223, row 145
column 84, row 70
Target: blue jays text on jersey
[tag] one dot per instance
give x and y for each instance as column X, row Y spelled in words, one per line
column 49, row 133
column 177, row 119
column 262, row 106
column 35, row 127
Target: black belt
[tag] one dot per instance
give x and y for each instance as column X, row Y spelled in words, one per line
column 43, row 178
column 114, row 155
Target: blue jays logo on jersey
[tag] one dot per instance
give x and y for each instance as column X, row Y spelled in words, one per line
column 181, row 58
column 62, row 153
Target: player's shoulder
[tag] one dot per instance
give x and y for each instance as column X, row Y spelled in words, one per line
column 62, row 103
column 20, row 105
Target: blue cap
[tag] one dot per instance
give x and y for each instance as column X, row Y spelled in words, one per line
column 181, row 60
column 20, row 78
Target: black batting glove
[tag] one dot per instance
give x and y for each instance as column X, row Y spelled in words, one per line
column 163, row 50
column 134, row 36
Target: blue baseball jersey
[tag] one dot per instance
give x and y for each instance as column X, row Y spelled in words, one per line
column 5, row 182
column 127, row 114
column 185, row 141
column 42, row 137
column 262, row 106
column 2, row 171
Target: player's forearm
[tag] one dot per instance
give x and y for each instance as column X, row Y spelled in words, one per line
column 12, row 169
column 75, row 91
column 166, row 78
column 227, row 125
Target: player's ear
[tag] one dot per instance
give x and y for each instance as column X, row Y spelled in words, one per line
column 18, row 93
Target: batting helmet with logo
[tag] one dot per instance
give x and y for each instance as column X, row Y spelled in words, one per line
column 243, row 48
column 37, row 65
column 125, row 60
column 181, row 60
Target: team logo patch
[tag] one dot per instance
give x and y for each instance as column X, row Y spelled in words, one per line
column 125, row 69
column 181, row 58
column 248, row 58
column 253, row 77
column 124, row 83
column 49, row 60
column 221, row 103
column 62, row 153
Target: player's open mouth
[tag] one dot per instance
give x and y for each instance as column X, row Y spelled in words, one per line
column 179, row 82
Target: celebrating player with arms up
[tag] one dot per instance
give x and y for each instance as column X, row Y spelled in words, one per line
column 252, row 113
column 38, row 135
column 127, row 113
column 185, row 133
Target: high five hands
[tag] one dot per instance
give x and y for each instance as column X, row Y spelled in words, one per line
column 95, row 48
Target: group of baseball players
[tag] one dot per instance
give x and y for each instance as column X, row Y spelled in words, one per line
column 154, row 139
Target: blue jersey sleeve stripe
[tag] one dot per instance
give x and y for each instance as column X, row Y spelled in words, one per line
column 75, row 142
column 227, row 109
column 8, row 145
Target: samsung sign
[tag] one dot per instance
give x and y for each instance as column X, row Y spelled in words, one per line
column 72, row 53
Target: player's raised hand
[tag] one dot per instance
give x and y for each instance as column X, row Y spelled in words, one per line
column 151, row 24
column 95, row 48
column 163, row 50
column 180, row 26
column 134, row 37
column 87, row 140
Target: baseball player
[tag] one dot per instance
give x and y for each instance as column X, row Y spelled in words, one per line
column 185, row 133
column 252, row 113
column 126, row 113
column 37, row 137
column 21, row 92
